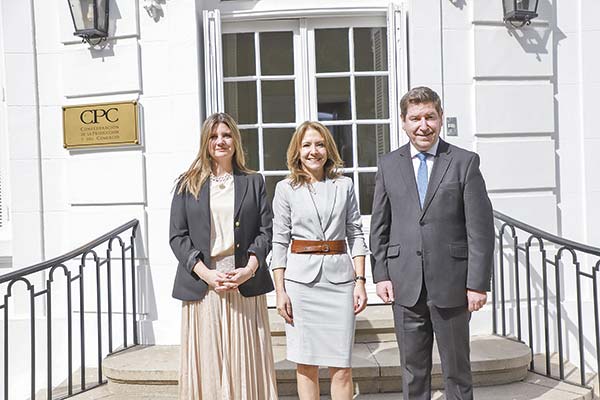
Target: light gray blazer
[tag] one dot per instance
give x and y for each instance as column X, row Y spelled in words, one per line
column 296, row 217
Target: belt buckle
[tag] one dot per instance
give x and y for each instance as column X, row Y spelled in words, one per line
column 325, row 248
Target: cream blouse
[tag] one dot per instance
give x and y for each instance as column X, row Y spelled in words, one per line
column 222, row 238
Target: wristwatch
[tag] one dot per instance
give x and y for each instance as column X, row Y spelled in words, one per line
column 360, row 278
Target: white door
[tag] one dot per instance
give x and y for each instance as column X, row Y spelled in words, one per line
column 271, row 75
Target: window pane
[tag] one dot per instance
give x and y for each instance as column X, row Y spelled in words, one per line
column 333, row 99
column 240, row 101
column 370, row 49
column 276, row 53
column 332, row 50
column 275, row 143
column 250, row 143
column 238, row 54
column 373, row 141
column 342, row 134
column 271, row 182
column 372, row 97
column 366, row 181
column 278, row 101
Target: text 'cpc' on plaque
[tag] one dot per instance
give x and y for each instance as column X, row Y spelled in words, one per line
column 112, row 124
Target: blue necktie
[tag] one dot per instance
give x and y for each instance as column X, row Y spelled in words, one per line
column 422, row 177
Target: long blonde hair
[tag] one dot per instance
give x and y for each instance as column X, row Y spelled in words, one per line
column 200, row 169
column 332, row 166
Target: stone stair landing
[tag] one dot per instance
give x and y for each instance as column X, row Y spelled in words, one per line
column 499, row 368
column 376, row 367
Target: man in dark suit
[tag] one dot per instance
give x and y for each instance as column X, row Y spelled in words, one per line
column 432, row 243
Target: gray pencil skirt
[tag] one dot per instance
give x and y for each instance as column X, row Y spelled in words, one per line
column 323, row 329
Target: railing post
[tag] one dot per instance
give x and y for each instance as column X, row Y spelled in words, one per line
column 529, row 316
column 133, row 292
column 99, row 319
column 124, row 274
column 82, row 324
column 546, row 311
column 517, row 284
column 561, row 367
column 495, row 282
column 49, row 337
column 596, row 317
column 32, row 327
column 6, row 347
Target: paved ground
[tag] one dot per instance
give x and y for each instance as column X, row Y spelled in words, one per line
column 535, row 387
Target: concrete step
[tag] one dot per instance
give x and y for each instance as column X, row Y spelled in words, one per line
column 533, row 387
column 376, row 367
column 572, row 372
column 62, row 390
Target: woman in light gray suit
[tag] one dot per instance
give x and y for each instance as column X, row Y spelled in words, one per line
column 319, row 287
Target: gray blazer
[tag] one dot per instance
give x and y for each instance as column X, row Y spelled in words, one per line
column 296, row 217
column 189, row 236
column 450, row 242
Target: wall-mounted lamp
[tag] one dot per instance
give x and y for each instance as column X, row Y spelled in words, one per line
column 519, row 12
column 90, row 18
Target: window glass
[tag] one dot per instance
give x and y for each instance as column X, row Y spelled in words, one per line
column 342, row 134
column 271, row 183
column 372, row 97
column 276, row 141
column 366, row 180
column 240, row 101
column 373, row 141
column 278, row 101
column 333, row 99
column 276, row 53
column 238, row 54
column 331, row 48
column 370, row 49
column 250, row 144
column 352, row 100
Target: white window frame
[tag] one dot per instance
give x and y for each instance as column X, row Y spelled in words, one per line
column 299, row 80
column 303, row 21
column 350, row 23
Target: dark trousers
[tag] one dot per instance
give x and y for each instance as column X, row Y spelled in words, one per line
column 415, row 327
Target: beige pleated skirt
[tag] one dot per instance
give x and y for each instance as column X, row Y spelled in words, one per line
column 226, row 351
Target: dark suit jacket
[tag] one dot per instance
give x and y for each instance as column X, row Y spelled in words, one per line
column 449, row 243
column 189, row 236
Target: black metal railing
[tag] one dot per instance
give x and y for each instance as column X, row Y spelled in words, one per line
column 551, row 274
column 40, row 281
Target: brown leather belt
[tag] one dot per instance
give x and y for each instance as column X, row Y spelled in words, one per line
column 319, row 246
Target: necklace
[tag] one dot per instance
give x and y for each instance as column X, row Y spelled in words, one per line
column 221, row 180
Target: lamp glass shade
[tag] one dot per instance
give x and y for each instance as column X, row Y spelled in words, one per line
column 519, row 10
column 102, row 7
column 83, row 14
column 526, row 5
column 90, row 17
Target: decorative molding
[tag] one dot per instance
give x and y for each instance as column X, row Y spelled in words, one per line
column 246, row 15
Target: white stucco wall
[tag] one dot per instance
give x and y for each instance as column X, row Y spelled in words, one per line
column 524, row 99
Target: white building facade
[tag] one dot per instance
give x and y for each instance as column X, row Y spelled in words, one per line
column 522, row 98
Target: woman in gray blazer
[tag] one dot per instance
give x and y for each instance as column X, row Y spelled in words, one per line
column 319, row 287
column 221, row 234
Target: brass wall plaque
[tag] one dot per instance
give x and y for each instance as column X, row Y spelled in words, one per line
column 110, row 124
